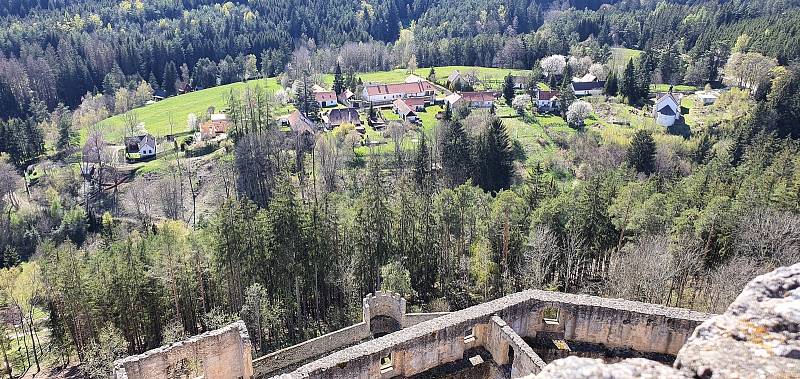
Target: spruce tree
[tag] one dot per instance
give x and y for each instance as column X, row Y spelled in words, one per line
column 170, row 76
column 612, row 84
column 448, row 112
column 566, row 81
column 627, row 87
column 508, row 89
column 432, row 74
column 66, row 136
column 338, row 80
column 422, row 163
column 456, row 154
column 494, row 158
column 642, row 153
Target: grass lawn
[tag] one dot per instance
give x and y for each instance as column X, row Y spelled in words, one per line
column 620, row 56
column 677, row 88
column 399, row 75
column 156, row 117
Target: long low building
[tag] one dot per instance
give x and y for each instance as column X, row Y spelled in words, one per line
column 387, row 93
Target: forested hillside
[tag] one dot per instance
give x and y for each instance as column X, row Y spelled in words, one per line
column 101, row 45
column 104, row 254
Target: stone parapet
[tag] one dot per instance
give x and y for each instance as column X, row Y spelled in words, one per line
column 222, row 353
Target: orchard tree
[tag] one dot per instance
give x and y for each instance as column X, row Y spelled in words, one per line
column 577, row 112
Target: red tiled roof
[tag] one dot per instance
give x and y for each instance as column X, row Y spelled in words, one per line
column 384, row 89
column 477, row 96
column 547, row 95
column 402, row 107
column 300, row 124
column 214, row 127
column 415, row 102
column 325, row 96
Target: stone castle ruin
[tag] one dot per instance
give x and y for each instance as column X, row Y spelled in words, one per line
column 529, row 334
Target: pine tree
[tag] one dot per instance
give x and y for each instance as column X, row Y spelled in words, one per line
column 627, row 87
column 612, row 84
column 422, row 163
column 307, row 104
column 642, row 82
column 338, row 80
column 66, row 136
column 448, row 112
column 566, row 80
column 508, row 89
column 456, row 154
column 494, row 158
column 642, row 153
column 432, row 74
column 170, row 77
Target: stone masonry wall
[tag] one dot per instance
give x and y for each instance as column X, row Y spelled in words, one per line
column 315, row 347
column 442, row 340
column 223, row 354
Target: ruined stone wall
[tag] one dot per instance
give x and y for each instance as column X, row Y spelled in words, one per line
column 219, row 354
column 385, row 304
column 412, row 319
column 501, row 340
column 611, row 322
column 312, row 348
column 443, row 339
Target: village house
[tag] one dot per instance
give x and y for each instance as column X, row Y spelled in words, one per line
column 140, row 147
column 301, row 125
column 386, row 93
column 588, row 78
column 483, row 99
column 707, row 98
column 547, row 101
column 324, row 97
column 346, row 98
column 520, row 81
column 588, row 88
column 667, row 110
column 404, row 111
column 216, row 125
column 341, row 116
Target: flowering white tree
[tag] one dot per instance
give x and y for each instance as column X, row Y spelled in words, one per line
column 553, row 65
column 578, row 111
column 520, row 102
column 191, row 121
column 580, row 66
column 599, row 71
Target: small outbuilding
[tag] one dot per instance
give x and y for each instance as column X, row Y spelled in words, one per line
column 667, row 110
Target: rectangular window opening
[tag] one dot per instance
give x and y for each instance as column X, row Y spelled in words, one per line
column 469, row 335
column 550, row 316
column 386, row 364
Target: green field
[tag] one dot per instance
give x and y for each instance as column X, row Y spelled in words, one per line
column 677, row 88
column 620, row 57
column 156, row 117
column 399, row 75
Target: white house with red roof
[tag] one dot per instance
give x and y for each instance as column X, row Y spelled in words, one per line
column 387, row 93
column 325, row 98
column 547, row 101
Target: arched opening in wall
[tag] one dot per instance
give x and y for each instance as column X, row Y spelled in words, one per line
column 550, row 316
column 380, row 326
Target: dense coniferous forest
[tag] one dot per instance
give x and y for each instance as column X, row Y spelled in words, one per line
column 295, row 230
